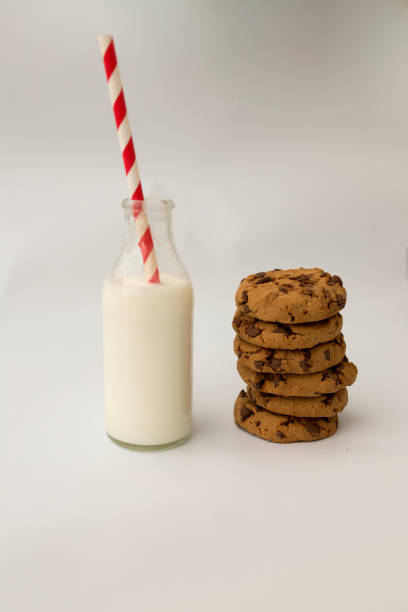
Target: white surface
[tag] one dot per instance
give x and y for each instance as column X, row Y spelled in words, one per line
column 280, row 131
column 147, row 359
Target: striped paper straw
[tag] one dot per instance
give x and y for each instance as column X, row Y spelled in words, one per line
column 117, row 97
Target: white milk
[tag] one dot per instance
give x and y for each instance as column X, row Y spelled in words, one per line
column 147, row 349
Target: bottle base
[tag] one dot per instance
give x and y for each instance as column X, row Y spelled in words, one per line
column 151, row 447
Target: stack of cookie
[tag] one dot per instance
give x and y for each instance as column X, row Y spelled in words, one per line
column 291, row 354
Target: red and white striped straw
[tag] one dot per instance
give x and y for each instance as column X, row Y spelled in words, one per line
column 129, row 157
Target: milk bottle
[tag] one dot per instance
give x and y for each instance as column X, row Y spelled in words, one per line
column 147, row 332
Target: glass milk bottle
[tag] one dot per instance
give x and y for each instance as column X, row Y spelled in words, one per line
column 147, row 329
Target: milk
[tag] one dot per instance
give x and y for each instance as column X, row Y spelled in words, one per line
column 147, row 354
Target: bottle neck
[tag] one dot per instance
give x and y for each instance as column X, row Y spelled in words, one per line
column 160, row 222
column 159, row 215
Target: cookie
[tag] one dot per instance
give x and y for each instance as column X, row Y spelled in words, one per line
column 300, row 385
column 280, row 428
column 314, row 407
column 291, row 296
column 315, row 359
column 278, row 335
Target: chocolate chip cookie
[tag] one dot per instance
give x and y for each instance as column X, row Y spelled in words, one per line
column 280, row 428
column 300, row 385
column 315, row 359
column 314, row 407
column 289, row 337
column 291, row 296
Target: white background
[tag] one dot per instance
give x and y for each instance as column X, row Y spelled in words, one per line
column 280, row 130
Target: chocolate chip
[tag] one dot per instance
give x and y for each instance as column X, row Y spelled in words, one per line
column 305, row 280
column 271, row 353
column 239, row 353
column 245, row 308
column 280, row 434
column 259, row 364
column 292, row 318
column 305, row 312
column 283, row 290
column 259, row 275
column 326, row 294
column 305, row 364
column 311, row 426
column 324, row 274
column 244, row 297
column 257, row 424
column 237, row 322
column 245, row 413
column 302, row 277
column 341, row 300
column 251, row 397
column 283, row 329
column 277, row 379
column 242, row 393
column 308, row 292
column 327, row 374
column 327, row 355
column 335, row 280
column 252, row 331
column 277, row 270
column 276, row 364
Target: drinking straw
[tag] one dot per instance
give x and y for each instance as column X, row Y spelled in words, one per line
column 117, row 97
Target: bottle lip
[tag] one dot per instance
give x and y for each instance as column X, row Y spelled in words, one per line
column 148, row 204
